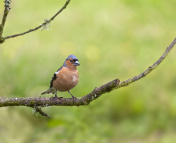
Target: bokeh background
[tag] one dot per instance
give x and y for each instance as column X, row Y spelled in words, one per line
column 112, row 39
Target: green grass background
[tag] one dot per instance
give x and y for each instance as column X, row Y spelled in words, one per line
column 112, row 39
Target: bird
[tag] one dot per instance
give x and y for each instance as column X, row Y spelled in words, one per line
column 65, row 78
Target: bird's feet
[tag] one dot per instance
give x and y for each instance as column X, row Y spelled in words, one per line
column 56, row 97
column 73, row 97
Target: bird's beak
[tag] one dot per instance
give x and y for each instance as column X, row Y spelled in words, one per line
column 76, row 63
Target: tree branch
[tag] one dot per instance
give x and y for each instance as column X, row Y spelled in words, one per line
column 45, row 101
column 38, row 27
column 85, row 100
column 39, row 110
column 6, row 11
column 150, row 68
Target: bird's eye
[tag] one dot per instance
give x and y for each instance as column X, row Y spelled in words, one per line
column 71, row 60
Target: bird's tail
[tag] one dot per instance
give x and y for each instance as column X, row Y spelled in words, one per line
column 50, row 90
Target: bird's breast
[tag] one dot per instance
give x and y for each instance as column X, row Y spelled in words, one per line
column 66, row 79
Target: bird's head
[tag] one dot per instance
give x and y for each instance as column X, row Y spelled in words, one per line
column 71, row 61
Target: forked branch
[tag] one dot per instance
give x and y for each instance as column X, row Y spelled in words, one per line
column 2, row 39
column 85, row 100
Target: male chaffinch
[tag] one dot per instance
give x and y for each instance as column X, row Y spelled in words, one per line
column 65, row 78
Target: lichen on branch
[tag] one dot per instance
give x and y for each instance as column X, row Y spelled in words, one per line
column 6, row 11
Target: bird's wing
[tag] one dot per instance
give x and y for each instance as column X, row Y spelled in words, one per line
column 54, row 77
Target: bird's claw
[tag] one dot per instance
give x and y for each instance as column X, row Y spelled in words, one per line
column 55, row 97
column 74, row 98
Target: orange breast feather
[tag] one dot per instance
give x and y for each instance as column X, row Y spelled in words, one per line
column 66, row 79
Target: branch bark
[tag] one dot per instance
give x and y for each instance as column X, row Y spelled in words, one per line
column 6, row 11
column 85, row 100
column 2, row 39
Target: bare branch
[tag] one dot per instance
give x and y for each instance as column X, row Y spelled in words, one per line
column 6, row 11
column 150, row 68
column 39, row 110
column 43, row 24
column 44, row 101
column 85, row 100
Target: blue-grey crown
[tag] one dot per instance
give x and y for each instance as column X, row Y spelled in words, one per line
column 72, row 57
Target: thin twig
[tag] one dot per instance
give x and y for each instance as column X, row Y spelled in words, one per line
column 43, row 24
column 6, row 11
column 39, row 110
column 150, row 68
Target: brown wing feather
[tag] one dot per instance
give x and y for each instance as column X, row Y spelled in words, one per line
column 54, row 77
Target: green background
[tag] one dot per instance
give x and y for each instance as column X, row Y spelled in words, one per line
column 112, row 39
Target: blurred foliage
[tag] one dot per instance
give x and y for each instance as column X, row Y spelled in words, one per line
column 112, row 39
